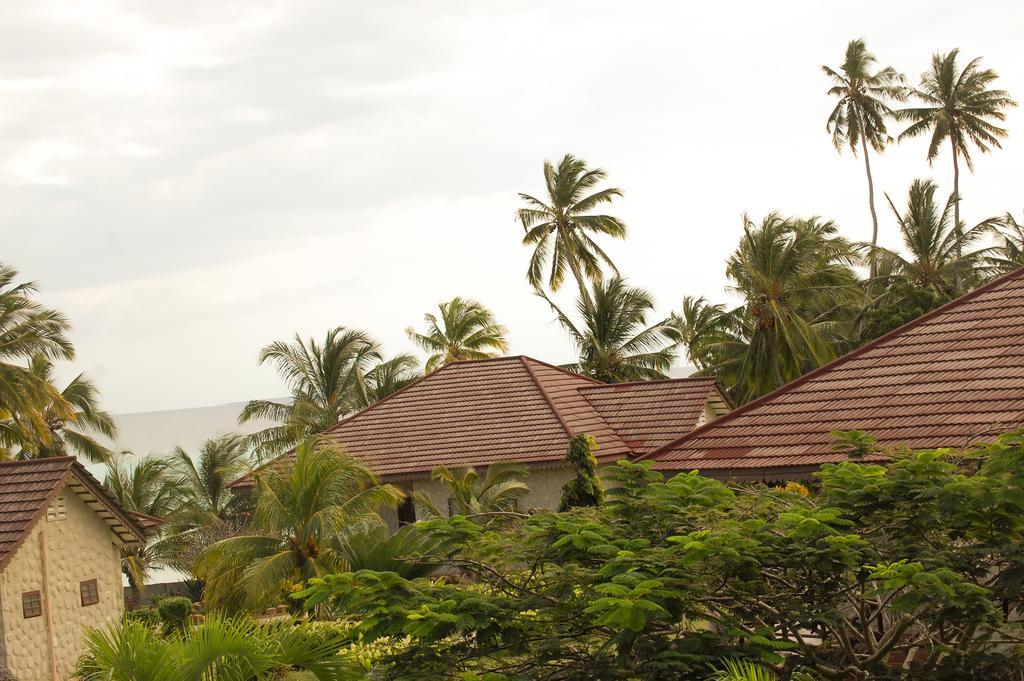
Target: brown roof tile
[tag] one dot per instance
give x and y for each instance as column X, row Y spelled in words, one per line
column 508, row 409
column 28, row 487
column 951, row 376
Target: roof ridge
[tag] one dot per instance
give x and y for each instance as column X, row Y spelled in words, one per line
column 29, row 462
column 547, row 398
column 656, row 381
column 574, row 374
column 842, row 359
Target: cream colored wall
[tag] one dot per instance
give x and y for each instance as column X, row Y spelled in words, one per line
column 80, row 548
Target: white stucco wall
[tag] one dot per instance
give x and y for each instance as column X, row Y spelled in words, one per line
column 80, row 548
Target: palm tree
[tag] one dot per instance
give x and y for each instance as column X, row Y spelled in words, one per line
column 302, row 506
column 859, row 116
column 218, row 649
column 1008, row 253
column 614, row 341
column 794, row 276
column 326, row 380
column 959, row 106
column 150, row 487
column 205, row 496
column 562, row 228
column 390, row 376
column 27, row 329
column 69, row 416
column 411, row 551
column 701, row 327
column 464, row 330
column 489, row 499
column 937, row 252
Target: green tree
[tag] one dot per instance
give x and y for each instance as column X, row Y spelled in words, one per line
column 860, row 115
column 561, row 228
column 302, row 506
column 216, row 650
column 149, row 486
column 585, row 488
column 796, row 280
column 939, row 255
column 957, row 105
column 203, row 481
column 1008, row 253
column 614, row 341
column 490, row 498
column 70, row 415
column 326, row 380
column 391, row 375
column 27, row 329
column 464, row 330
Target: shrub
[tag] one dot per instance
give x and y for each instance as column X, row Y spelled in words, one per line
column 147, row 617
column 174, row 612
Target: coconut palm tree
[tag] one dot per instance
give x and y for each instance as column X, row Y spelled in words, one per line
column 486, row 498
column 218, row 649
column 302, row 506
column 390, row 376
column 795, row 277
column 70, row 417
column 561, row 228
column 959, row 106
column 938, row 254
column 614, row 340
column 27, row 329
column 464, row 330
column 701, row 327
column 1008, row 253
column 149, row 486
column 205, row 497
column 326, row 380
column 859, row 116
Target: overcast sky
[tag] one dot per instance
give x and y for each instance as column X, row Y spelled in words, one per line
column 189, row 181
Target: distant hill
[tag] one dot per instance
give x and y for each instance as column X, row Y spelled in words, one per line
column 158, row 432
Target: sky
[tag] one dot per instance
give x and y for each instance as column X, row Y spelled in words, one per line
column 190, row 181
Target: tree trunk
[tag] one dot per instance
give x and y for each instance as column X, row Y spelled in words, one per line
column 773, row 358
column 956, row 206
column 871, row 205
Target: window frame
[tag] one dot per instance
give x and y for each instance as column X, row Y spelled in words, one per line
column 94, row 592
column 31, row 604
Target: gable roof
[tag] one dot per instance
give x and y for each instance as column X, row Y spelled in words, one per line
column 950, row 376
column 649, row 414
column 28, row 487
column 504, row 409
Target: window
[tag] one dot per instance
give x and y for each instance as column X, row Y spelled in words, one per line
column 58, row 509
column 31, row 604
column 90, row 593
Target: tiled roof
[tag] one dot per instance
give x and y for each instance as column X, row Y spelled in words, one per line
column 649, row 414
column 28, row 487
column 506, row 409
column 945, row 379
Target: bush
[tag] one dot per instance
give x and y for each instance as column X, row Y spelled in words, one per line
column 174, row 612
column 147, row 617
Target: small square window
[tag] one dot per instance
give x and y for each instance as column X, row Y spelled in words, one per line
column 90, row 592
column 31, row 604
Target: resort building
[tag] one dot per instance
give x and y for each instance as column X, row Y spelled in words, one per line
column 947, row 379
column 516, row 410
column 61, row 537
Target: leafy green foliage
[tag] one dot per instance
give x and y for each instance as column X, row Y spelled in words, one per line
column 174, row 612
column 216, row 650
column 693, row 578
column 585, row 489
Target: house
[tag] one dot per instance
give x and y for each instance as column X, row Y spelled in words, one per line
column 60, row 564
column 946, row 379
column 516, row 409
